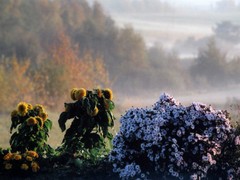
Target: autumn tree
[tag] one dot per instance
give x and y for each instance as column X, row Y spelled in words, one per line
column 16, row 85
column 62, row 70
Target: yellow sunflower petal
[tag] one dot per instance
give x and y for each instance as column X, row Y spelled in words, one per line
column 80, row 93
column 32, row 121
column 108, row 94
column 22, row 108
column 24, row 167
column 72, row 93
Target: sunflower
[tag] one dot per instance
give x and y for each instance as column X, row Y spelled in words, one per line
column 108, row 94
column 30, row 107
column 39, row 108
column 80, row 93
column 72, row 94
column 29, row 158
column 8, row 166
column 14, row 113
column 32, row 121
column 22, row 108
column 40, row 121
column 8, row 157
column 24, row 167
column 44, row 116
column 35, row 167
column 94, row 112
column 32, row 154
column 17, row 157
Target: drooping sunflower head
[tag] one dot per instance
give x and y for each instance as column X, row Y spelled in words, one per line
column 108, row 94
column 14, row 113
column 8, row 157
column 33, row 154
column 29, row 158
column 39, row 108
column 72, row 94
column 94, row 112
column 44, row 116
column 22, row 108
column 24, row 166
column 40, row 121
column 17, row 157
column 35, row 167
column 80, row 93
column 32, row 121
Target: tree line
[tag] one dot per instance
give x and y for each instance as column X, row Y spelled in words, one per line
column 48, row 47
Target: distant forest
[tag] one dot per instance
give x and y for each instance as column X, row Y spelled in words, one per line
column 48, row 47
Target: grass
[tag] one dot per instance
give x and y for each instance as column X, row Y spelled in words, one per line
column 55, row 134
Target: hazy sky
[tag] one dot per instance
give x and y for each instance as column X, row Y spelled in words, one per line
column 198, row 3
column 195, row 4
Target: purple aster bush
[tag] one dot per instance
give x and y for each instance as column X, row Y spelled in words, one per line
column 171, row 140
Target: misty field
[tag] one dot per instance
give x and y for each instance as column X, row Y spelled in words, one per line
column 176, row 25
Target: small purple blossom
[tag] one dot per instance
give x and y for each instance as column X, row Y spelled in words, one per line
column 237, row 140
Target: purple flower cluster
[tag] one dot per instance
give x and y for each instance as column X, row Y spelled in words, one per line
column 169, row 139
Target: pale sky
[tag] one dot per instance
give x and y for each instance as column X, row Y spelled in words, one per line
column 196, row 2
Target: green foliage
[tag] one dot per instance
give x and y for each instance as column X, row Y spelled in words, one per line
column 31, row 129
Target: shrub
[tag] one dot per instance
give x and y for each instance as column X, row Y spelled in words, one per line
column 175, row 141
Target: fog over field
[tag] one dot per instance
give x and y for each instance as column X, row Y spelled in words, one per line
column 183, row 20
column 182, row 27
